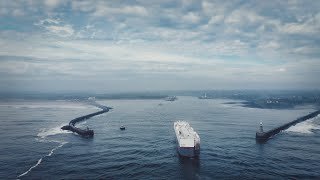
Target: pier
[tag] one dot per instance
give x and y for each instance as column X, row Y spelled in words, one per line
column 85, row 132
column 262, row 136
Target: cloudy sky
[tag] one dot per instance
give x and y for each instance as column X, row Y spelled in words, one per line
column 138, row 45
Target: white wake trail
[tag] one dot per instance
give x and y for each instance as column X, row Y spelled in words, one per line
column 40, row 160
column 42, row 137
column 25, row 173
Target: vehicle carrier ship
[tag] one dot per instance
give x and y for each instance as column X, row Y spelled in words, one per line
column 188, row 140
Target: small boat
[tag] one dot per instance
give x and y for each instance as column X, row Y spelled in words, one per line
column 122, row 128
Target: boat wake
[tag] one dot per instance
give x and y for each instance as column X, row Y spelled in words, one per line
column 40, row 160
column 51, row 132
column 305, row 127
column 42, row 137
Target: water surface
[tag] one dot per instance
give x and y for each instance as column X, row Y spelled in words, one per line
column 33, row 146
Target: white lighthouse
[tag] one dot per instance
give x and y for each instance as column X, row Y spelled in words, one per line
column 261, row 128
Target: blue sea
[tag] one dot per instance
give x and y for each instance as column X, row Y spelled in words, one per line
column 34, row 147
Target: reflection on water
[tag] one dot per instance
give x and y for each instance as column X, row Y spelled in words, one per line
column 190, row 167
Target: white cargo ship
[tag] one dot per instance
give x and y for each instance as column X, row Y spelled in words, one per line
column 188, row 140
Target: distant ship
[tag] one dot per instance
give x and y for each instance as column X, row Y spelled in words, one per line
column 204, row 96
column 188, row 140
column 171, row 98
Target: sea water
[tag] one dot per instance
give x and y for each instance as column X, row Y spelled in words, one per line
column 34, row 147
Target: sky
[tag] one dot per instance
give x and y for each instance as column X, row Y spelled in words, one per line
column 143, row 45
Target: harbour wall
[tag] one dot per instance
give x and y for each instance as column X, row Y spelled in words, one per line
column 85, row 132
column 264, row 136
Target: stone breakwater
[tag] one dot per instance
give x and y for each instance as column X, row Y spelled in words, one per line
column 262, row 136
column 85, row 132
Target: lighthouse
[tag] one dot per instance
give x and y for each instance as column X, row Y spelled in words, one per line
column 261, row 128
column 260, row 135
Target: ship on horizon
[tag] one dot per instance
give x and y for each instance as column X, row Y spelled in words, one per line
column 188, row 140
column 204, row 96
column 171, row 98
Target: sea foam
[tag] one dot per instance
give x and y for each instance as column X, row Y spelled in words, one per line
column 305, row 127
column 45, row 132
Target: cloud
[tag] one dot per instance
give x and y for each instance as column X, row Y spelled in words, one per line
column 56, row 27
column 53, row 3
column 103, row 9
column 216, row 19
column 307, row 27
column 84, row 6
column 12, row 8
column 228, row 43
column 63, row 31
column 272, row 45
column 243, row 16
column 191, row 17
